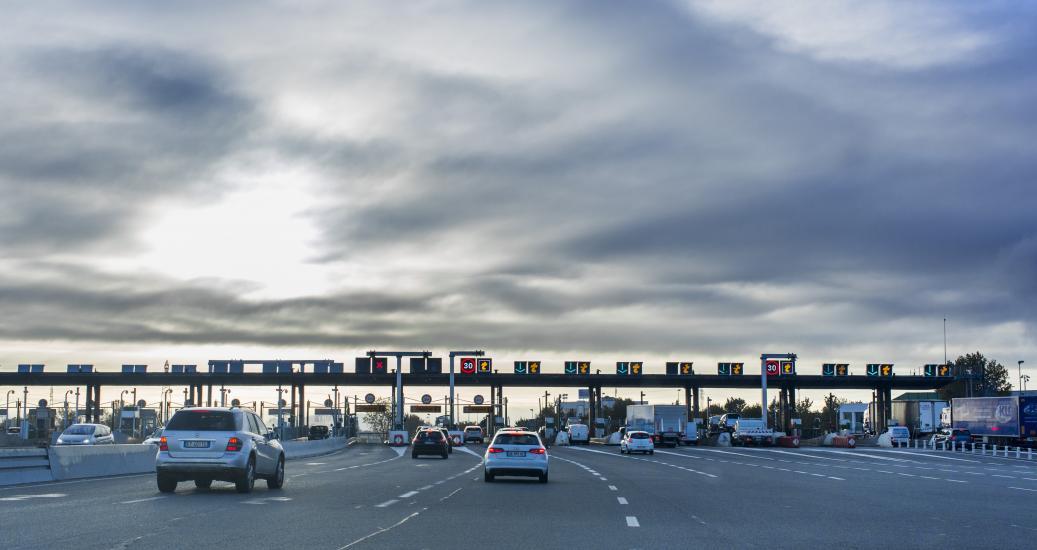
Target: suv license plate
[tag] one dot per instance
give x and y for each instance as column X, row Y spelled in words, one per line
column 516, row 453
column 196, row 444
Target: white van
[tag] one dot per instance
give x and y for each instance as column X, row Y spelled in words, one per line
column 579, row 434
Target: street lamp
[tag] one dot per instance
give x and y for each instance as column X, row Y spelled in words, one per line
column 1021, row 374
column 7, row 409
column 1025, row 378
column 66, row 407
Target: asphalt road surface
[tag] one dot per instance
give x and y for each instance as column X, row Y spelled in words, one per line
column 376, row 497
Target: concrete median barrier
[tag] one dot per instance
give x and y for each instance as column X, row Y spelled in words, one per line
column 308, row 449
column 24, row 466
column 75, row 462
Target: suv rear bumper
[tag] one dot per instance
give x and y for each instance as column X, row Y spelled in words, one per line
column 182, row 469
column 183, row 472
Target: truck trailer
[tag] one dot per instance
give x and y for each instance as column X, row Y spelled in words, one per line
column 666, row 423
column 1007, row 420
column 920, row 417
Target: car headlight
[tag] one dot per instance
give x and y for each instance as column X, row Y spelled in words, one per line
column 60, row 441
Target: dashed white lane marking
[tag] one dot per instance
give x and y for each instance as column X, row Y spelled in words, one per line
column 836, row 478
column 1024, row 489
column 956, row 480
column 408, row 494
column 382, row 530
column 632, row 521
column 1030, row 478
column 999, row 475
column 622, row 500
column 140, row 500
column 603, row 478
column 425, row 488
column 17, row 498
column 612, row 488
column 316, row 463
column 386, row 503
column 644, row 459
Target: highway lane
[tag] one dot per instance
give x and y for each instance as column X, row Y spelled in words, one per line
column 378, row 497
column 326, row 502
column 800, row 498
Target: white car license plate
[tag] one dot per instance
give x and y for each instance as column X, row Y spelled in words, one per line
column 516, row 453
column 196, row 444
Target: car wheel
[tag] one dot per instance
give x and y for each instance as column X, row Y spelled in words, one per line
column 651, row 452
column 247, row 481
column 203, row 483
column 487, row 477
column 444, row 455
column 166, row 484
column 543, row 477
column 277, row 480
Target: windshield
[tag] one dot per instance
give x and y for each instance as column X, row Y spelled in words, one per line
column 80, row 429
column 202, row 421
column 638, row 435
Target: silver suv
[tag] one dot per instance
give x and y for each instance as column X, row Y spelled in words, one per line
column 214, row 443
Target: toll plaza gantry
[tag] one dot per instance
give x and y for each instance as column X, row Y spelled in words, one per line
column 777, row 372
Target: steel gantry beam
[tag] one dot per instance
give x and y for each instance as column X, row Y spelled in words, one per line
column 800, row 381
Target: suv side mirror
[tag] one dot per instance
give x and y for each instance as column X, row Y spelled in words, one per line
column 271, row 435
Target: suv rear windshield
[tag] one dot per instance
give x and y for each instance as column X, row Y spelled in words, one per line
column 203, row 421
column 517, row 439
column 639, row 435
column 431, row 434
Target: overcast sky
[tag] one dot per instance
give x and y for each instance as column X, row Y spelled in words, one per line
column 544, row 180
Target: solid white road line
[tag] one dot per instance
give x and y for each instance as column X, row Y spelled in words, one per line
column 1024, row 489
column 632, row 521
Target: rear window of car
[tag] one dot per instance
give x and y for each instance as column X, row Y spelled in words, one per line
column 203, row 421
column 431, row 435
column 473, row 429
column 517, row 439
column 639, row 435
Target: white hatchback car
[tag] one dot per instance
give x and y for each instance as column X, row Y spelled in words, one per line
column 515, row 453
column 637, row 442
column 86, row 434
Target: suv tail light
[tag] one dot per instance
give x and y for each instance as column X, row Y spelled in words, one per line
column 538, row 451
column 163, row 445
column 233, row 445
column 494, row 450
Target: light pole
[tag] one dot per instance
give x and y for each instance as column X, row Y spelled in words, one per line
column 165, row 403
column 7, row 409
column 66, row 407
column 122, row 405
column 25, row 416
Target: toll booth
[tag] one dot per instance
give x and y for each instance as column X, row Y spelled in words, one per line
column 137, row 421
column 851, row 417
column 42, row 421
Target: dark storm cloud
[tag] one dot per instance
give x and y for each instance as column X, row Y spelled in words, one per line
column 150, row 124
column 649, row 180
